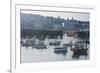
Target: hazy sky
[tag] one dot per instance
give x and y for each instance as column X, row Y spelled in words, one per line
column 65, row 15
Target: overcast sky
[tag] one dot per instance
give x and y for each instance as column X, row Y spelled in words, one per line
column 65, row 15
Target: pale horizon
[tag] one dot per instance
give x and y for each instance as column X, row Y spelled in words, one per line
column 65, row 15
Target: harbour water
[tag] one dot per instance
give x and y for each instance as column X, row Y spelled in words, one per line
column 31, row 55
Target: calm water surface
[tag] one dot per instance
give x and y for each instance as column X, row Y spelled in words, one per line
column 30, row 54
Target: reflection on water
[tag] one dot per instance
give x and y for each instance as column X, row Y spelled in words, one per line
column 52, row 50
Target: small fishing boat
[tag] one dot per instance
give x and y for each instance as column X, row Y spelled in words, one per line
column 60, row 50
column 80, row 49
column 55, row 43
column 40, row 45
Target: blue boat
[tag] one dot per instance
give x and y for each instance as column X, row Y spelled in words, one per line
column 60, row 50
